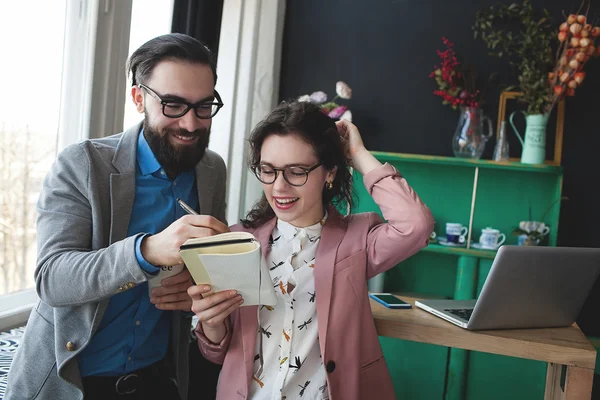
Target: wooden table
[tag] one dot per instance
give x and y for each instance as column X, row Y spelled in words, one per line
column 558, row 347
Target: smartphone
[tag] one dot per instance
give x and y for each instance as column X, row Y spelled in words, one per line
column 389, row 300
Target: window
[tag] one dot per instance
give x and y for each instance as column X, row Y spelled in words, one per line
column 54, row 78
column 29, row 118
column 149, row 18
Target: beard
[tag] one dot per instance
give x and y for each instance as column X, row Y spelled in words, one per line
column 176, row 159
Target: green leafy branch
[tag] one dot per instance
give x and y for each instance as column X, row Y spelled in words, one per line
column 524, row 36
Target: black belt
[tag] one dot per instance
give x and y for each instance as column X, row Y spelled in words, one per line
column 128, row 383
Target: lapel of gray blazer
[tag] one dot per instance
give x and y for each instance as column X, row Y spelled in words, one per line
column 122, row 193
column 122, row 184
column 206, row 180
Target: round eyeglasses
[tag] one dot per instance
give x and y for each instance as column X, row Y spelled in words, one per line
column 294, row 175
column 176, row 108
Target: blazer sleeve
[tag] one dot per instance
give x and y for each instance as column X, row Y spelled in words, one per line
column 68, row 271
column 409, row 220
column 215, row 352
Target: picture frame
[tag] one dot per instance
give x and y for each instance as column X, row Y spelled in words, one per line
column 560, row 118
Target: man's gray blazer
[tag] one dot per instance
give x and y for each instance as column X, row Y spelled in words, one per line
column 84, row 258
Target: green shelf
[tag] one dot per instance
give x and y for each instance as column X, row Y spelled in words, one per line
column 476, row 194
column 466, row 162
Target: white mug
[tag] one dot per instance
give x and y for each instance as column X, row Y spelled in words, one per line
column 490, row 238
column 455, row 232
column 165, row 272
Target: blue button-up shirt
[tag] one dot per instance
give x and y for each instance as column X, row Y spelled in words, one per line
column 133, row 333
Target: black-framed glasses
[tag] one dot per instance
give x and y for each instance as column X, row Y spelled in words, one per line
column 294, row 175
column 175, row 108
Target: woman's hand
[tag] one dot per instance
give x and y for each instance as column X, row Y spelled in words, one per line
column 212, row 310
column 359, row 157
column 351, row 139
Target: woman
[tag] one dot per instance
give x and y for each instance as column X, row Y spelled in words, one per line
column 319, row 341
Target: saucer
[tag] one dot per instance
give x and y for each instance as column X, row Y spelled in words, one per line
column 444, row 242
column 481, row 247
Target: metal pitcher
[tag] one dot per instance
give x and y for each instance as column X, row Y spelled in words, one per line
column 534, row 144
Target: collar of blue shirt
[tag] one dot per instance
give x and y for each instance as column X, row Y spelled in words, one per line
column 145, row 157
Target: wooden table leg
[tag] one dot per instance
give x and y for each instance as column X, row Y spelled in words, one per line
column 577, row 386
column 553, row 390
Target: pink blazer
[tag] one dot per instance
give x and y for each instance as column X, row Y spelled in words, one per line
column 352, row 250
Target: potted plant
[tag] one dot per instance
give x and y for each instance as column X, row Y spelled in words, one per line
column 526, row 37
column 532, row 233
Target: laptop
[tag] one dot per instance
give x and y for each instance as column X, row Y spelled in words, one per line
column 527, row 287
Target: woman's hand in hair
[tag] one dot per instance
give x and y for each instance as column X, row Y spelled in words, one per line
column 359, row 157
column 351, row 139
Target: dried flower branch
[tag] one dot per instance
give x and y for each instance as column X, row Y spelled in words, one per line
column 332, row 108
column 577, row 39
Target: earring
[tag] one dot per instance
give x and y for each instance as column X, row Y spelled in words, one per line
column 328, row 185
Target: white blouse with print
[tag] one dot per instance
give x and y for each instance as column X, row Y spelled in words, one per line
column 293, row 368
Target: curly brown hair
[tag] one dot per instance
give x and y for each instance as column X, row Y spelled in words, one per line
column 319, row 131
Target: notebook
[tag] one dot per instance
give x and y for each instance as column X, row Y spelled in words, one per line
column 527, row 287
column 230, row 261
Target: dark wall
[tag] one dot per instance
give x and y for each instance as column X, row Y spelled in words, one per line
column 385, row 50
column 200, row 19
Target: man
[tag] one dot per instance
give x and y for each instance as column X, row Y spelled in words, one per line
column 107, row 220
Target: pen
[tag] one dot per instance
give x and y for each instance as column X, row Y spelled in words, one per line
column 187, row 208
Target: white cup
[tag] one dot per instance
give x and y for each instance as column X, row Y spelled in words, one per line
column 490, row 238
column 456, row 232
column 165, row 272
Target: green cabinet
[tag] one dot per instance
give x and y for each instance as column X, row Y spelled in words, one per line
column 477, row 194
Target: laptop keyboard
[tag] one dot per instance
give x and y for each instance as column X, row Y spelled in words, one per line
column 464, row 313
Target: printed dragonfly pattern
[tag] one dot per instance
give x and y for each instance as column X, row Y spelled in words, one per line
column 298, row 364
column 291, row 353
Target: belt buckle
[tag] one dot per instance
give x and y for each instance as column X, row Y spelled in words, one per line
column 123, row 380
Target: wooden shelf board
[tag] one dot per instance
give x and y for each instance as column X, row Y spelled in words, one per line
column 459, row 251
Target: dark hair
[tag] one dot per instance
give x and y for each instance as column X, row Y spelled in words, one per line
column 318, row 130
column 173, row 46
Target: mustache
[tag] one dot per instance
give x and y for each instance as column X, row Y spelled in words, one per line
column 185, row 133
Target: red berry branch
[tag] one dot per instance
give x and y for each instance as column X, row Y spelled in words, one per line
column 453, row 78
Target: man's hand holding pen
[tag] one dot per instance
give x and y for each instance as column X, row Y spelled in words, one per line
column 163, row 249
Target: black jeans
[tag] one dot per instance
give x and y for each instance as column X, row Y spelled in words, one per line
column 150, row 383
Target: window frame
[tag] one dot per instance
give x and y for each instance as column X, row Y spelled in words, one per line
column 249, row 65
column 15, row 308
